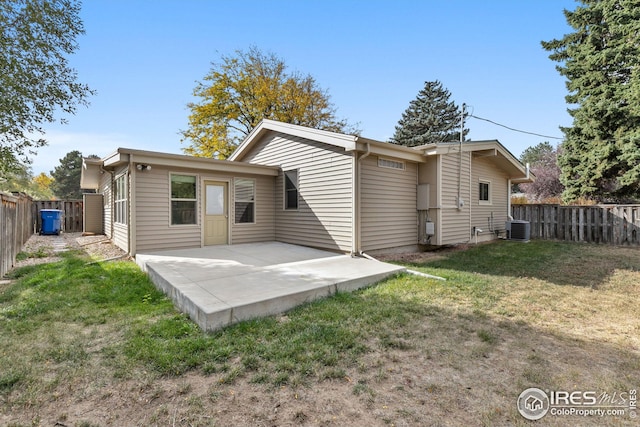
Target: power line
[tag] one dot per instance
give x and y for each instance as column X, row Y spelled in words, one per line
column 516, row 130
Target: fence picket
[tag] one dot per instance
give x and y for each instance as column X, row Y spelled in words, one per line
column 72, row 217
column 608, row 224
column 15, row 227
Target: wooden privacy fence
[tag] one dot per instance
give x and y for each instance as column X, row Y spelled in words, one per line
column 72, row 218
column 16, row 226
column 612, row 224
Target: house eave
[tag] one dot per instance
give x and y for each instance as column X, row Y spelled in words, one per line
column 90, row 174
column 153, row 158
column 489, row 149
column 386, row 149
column 348, row 142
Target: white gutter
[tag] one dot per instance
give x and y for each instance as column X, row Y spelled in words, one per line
column 509, row 199
column 131, row 200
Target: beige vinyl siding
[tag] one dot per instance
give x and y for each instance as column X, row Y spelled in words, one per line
column 324, row 217
column 455, row 223
column 153, row 214
column 388, row 205
column 107, row 198
column 92, row 215
column 152, row 209
column 264, row 228
column 121, row 231
column 485, row 170
column 428, row 174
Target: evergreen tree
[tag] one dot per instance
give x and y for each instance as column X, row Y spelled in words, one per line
column 543, row 159
column 66, row 177
column 537, row 153
column 430, row 118
column 600, row 158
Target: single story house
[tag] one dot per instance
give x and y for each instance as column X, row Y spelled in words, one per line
column 309, row 187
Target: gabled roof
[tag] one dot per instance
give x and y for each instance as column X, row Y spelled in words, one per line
column 488, row 148
column 346, row 142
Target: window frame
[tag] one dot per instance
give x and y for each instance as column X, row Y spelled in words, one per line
column 286, row 191
column 488, row 200
column 120, row 199
column 176, row 199
column 237, row 200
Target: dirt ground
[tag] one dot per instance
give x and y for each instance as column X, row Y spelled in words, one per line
column 48, row 248
column 450, row 377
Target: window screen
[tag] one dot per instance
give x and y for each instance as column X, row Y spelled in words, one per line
column 483, row 190
column 183, row 199
column 291, row 189
column 245, row 197
column 120, row 200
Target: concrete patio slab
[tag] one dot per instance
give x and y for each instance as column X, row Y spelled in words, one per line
column 221, row 285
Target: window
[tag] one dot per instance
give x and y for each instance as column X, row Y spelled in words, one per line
column 390, row 164
column 183, row 199
column 291, row 189
column 245, row 198
column 484, row 192
column 120, row 200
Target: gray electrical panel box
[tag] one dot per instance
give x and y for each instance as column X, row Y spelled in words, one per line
column 423, row 196
column 430, row 228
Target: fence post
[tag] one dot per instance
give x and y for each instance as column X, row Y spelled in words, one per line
column 606, row 224
column 15, row 227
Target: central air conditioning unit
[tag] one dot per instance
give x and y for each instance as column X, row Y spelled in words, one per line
column 518, row 230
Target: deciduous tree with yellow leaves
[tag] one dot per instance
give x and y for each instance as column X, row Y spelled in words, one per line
column 243, row 89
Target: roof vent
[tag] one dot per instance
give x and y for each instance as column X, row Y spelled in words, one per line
column 391, row 164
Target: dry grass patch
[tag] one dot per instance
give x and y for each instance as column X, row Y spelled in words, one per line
column 96, row 345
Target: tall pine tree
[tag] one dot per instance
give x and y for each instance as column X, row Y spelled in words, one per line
column 601, row 61
column 66, row 184
column 430, row 118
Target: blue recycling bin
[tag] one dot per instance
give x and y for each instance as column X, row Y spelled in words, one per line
column 51, row 220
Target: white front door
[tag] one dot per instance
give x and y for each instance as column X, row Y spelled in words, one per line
column 216, row 215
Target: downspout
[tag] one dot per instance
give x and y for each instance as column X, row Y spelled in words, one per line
column 459, row 201
column 131, row 223
column 509, row 216
column 470, row 190
column 357, row 202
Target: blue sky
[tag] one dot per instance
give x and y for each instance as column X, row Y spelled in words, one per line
column 144, row 58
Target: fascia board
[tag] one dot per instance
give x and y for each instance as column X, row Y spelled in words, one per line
column 390, row 150
column 115, row 158
column 204, row 163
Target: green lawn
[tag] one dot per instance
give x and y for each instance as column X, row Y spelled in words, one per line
column 510, row 316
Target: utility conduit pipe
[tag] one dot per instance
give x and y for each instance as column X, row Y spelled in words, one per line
column 414, row 272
